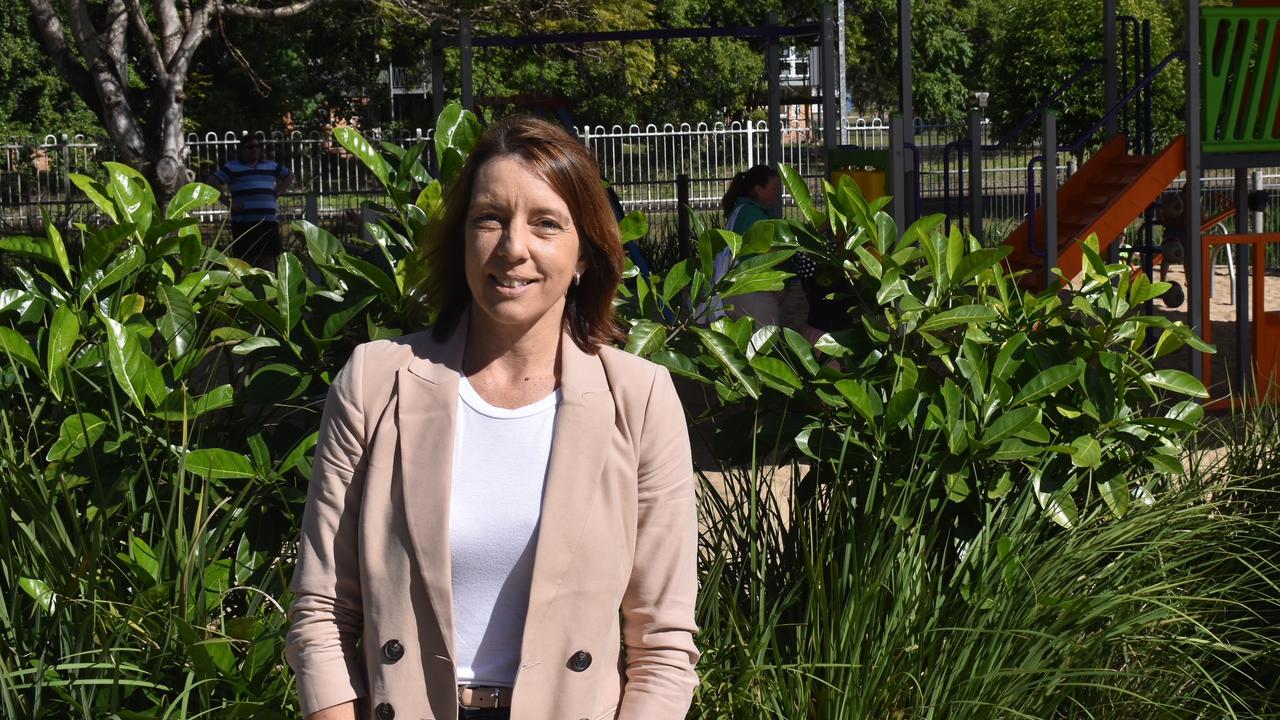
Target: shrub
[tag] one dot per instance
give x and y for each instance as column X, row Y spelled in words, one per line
column 160, row 399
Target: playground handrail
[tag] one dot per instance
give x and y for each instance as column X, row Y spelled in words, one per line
column 1084, row 138
column 1009, row 137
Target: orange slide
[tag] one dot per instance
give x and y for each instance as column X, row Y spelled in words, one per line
column 1106, row 194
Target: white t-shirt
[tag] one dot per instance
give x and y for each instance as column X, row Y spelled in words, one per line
column 499, row 469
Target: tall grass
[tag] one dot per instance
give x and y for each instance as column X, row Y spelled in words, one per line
column 866, row 601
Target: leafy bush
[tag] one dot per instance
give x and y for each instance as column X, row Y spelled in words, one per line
column 160, row 399
column 159, row 408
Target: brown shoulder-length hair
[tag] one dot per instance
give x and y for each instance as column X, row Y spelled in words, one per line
column 564, row 164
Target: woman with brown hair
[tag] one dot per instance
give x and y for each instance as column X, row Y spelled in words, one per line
column 501, row 521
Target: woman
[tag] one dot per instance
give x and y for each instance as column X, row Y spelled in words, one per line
column 500, row 502
column 750, row 198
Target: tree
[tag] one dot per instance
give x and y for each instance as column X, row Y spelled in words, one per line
column 33, row 99
column 950, row 43
column 1040, row 45
column 139, row 103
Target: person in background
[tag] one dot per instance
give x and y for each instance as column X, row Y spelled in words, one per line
column 751, row 197
column 254, row 183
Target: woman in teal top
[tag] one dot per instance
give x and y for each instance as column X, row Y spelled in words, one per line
column 751, row 197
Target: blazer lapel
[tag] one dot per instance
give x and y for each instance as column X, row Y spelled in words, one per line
column 426, row 411
column 579, row 446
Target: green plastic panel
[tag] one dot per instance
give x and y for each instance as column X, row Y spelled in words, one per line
column 1240, row 85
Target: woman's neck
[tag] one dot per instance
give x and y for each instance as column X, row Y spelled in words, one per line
column 510, row 372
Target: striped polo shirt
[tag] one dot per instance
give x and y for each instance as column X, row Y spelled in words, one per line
column 253, row 187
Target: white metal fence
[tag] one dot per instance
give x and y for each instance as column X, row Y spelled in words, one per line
column 641, row 162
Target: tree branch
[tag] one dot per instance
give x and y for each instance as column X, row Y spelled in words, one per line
column 171, row 30
column 148, row 40
column 54, row 41
column 195, row 34
column 263, row 13
column 114, row 40
column 116, row 114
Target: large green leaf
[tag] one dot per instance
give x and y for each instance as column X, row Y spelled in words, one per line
column 1177, row 381
column 1047, row 382
column 457, row 128
column 646, row 337
column 726, row 353
column 27, row 246
column 78, row 433
column 125, row 264
column 776, row 374
column 64, row 330
column 963, row 315
column 799, row 191
column 178, row 405
column 290, row 289
column 39, row 591
column 135, row 372
column 322, row 246
column 189, row 197
column 17, row 347
column 357, row 145
column 96, row 193
column 218, row 464
column 178, row 325
column 633, row 227
column 131, row 193
column 1009, row 423
column 678, row 364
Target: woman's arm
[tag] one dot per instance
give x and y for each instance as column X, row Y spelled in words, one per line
column 658, row 607
column 327, row 615
column 345, row 711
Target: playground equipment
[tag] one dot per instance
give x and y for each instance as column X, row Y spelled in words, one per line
column 1232, row 122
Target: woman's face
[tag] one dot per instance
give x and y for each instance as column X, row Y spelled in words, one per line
column 522, row 247
column 768, row 193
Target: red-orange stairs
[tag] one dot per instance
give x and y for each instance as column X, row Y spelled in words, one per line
column 1106, row 194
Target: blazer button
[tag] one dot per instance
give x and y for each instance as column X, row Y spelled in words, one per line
column 385, row 711
column 393, row 650
column 580, row 661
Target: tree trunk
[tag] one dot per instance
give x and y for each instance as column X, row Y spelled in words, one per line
column 166, row 161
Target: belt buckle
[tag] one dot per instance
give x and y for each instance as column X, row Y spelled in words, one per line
column 493, row 694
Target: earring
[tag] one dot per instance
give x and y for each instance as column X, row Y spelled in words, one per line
column 577, row 278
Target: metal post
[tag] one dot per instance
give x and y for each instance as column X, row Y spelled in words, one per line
column 1111, row 92
column 464, row 60
column 312, row 209
column 683, row 223
column 1244, row 352
column 843, row 87
column 898, row 169
column 773, row 57
column 975, row 174
column 1191, row 231
column 437, row 70
column 1049, row 195
column 1145, row 98
column 830, row 110
column 904, row 61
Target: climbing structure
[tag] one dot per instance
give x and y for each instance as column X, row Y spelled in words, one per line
column 1103, row 197
column 1238, row 90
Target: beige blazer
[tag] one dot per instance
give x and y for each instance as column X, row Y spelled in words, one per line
column 610, row 624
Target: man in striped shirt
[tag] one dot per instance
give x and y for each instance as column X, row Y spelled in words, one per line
column 253, row 183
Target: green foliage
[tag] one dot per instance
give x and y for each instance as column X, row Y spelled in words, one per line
column 159, row 404
column 945, row 361
column 159, row 409
column 1039, row 46
column 34, row 100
